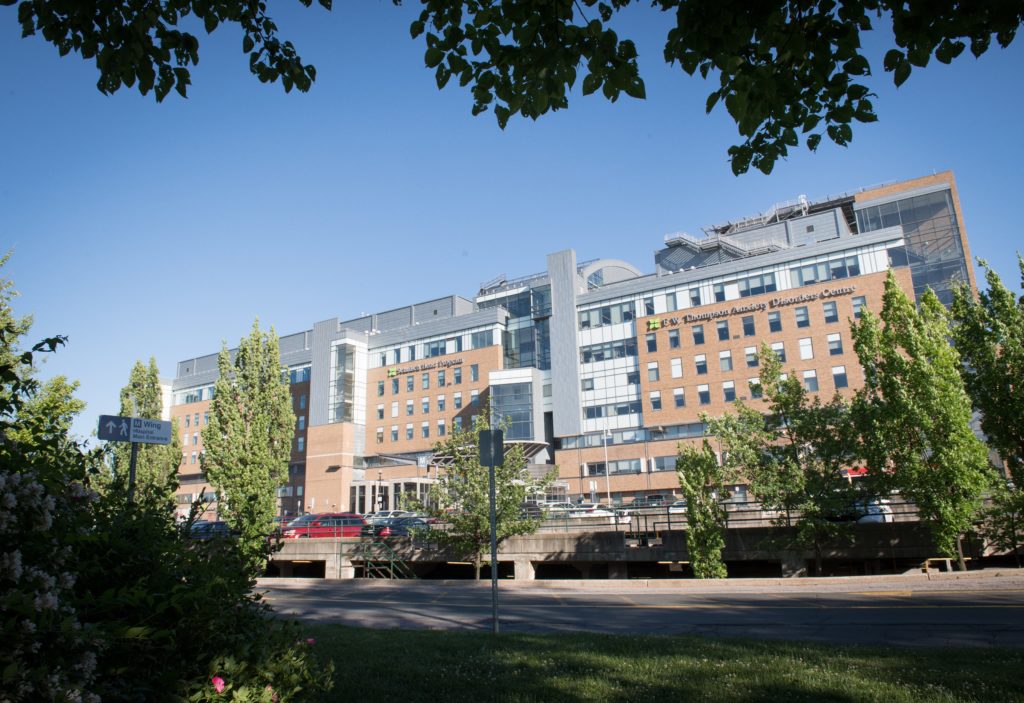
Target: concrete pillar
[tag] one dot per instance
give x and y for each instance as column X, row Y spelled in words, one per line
column 524, row 570
column 345, row 568
column 618, row 570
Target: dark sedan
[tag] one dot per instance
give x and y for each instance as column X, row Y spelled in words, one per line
column 395, row 527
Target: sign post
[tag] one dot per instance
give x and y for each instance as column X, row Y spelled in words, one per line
column 137, row 430
column 492, row 452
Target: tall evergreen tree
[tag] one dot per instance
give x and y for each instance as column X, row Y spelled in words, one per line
column 249, row 438
column 156, row 465
column 702, row 480
column 914, row 414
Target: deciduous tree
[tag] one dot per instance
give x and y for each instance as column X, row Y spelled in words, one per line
column 785, row 68
column 794, row 457
column 249, row 438
column 702, row 480
column 460, row 496
column 914, row 415
column 156, row 465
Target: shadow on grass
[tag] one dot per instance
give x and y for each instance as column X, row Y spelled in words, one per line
column 448, row 667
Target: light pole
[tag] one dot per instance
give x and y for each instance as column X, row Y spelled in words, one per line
column 380, row 496
column 607, row 468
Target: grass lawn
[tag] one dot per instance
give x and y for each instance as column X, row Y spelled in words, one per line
column 447, row 667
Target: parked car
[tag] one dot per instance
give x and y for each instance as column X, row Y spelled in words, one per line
column 599, row 510
column 394, row 527
column 558, row 509
column 655, row 500
column 678, row 507
column 876, row 510
column 209, row 529
column 324, row 525
column 386, row 514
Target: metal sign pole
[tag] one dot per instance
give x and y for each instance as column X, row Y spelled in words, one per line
column 131, row 471
column 492, row 452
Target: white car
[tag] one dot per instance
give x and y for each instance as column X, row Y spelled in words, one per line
column 591, row 510
column 559, row 509
column 678, row 507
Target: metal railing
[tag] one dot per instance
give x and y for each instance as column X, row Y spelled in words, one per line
column 376, row 560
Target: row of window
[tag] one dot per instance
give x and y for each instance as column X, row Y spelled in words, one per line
column 810, row 383
column 437, row 347
column 189, row 419
column 441, row 404
column 410, row 429
column 801, row 315
column 442, row 380
column 725, row 359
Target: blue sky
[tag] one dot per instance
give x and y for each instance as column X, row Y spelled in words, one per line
column 142, row 229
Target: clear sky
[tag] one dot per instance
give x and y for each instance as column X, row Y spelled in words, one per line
column 141, row 229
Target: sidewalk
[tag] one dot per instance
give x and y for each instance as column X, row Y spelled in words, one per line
column 984, row 580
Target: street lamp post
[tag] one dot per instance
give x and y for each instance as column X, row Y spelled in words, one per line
column 380, row 496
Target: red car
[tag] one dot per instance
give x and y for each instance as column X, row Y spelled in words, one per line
column 324, row 525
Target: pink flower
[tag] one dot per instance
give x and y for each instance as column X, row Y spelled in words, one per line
column 218, row 684
column 271, row 689
column 311, row 641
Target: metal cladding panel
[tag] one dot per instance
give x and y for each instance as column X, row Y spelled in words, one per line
column 438, row 328
column 432, row 310
column 393, row 319
column 363, row 324
column 293, row 343
column 320, row 372
column 653, row 283
column 860, row 204
column 565, row 357
column 825, row 226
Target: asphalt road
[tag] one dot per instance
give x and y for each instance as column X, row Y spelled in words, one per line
column 989, row 615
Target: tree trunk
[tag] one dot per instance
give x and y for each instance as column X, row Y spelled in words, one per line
column 477, row 565
column 961, row 565
column 817, row 558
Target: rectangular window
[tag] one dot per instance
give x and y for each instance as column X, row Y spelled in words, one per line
column 749, row 329
column 839, row 377
column 755, row 388
column 412, row 353
column 806, row 350
column 425, row 430
column 188, row 421
column 831, row 313
column 859, row 303
column 425, row 382
column 803, row 318
column 479, row 340
column 673, row 339
column 410, row 383
column 811, row 381
column 302, row 402
column 698, row 334
column 723, row 330
column 206, row 418
column 728, row 391
column 440, row 428
column 835, row 344
column 719, row 290
column 409, row 407
column 195, row 438
column 652, row 371
column 679, row 397
column 197, row 419
column 655, row 400
column 440, row 379
column 751, row 356
column 677, row 368
column 670, row 302
column 457, row 423
column 694, row 297
column 587, row 384
column 383, row 359
column 394, row 433
column 780, row 351
column 380, row 412
column 193, row 458
column 701, row 363
column 425, row 405
column 301, row 444
column 652, row 342
column 380, row 435
column 302, row 422
column 474, row 372
column 457, row 376
column 394, row 408
column 457, row 400
column 774, row 322
column 704, row 395
column 648, row 306
column 440, row 403
column 408, row 431
column 725, row 360
column 474, row 397
column 394, row 386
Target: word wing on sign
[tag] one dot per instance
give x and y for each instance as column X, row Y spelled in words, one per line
column 114, row 428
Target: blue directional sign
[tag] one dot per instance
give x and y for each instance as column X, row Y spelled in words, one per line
column 115, row 428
